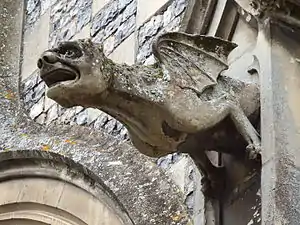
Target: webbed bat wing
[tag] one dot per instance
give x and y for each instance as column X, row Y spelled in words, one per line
column 193, row 61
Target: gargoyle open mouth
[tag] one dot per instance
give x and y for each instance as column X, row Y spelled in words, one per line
column 57, row 76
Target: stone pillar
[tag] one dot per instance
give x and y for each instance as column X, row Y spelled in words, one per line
column 11, row 23
column 278, row 53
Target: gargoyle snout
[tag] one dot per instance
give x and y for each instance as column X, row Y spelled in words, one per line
column 47, row 58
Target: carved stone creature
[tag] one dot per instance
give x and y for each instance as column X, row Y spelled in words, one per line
column 182, row 103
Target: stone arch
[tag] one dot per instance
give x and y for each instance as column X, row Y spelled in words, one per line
column 46, row 188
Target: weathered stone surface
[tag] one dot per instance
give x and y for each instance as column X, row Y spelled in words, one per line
column 276, row 51
column 45, row 4
column 37, row 109
column 167, row 20
column 114, row 23
column 34, row 44
column 48, row 103
column 38, row 91
column 129, row 10
column 31, row 4
column 33, row 11
column 101, row 121
column 178, row 172
column 84, row 33
column 92, row 115
column 110, row 125
column 104, row 17
column 124, row 30
column 68, row 18
column 125, row 52
column 123, row 3
column 97, row 5
column 41, row 118
column 82, row 118
column 246, row 209
column 67, row 116
column 150, row 28
column 109, row 44
column 29, row 84
column 179, row 6
column 52, row 114
column 147, row 9
column 112, row 27
column 84, row 16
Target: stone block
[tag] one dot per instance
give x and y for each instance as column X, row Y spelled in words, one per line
column 146, row 8
column 45, row 5
column 104, row 17
column 81, row 118
column 33, row 11
column 85, row 207
column 52, row 114
column 84, row 33
column 125, row 30
column 48, row 103
column 35, row 42
column 178, row 172
column 45, row 191
column 97, row 5
column 37, row 109
column 124, row 53
column 92, row 115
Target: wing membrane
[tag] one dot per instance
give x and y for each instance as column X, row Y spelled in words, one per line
column 194, row 61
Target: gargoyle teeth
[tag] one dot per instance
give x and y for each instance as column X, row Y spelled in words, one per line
column 57, row 76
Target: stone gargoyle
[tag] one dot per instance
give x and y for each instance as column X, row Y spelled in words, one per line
column 181, row 103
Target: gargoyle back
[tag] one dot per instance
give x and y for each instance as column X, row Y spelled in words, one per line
column 193, row 61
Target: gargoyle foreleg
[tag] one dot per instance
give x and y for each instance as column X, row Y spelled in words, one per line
column 247, row 130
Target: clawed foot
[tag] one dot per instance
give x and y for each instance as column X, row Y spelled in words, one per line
column 253, row 151
column 214, row 186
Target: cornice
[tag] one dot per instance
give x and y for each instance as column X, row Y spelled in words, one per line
column 279, row 11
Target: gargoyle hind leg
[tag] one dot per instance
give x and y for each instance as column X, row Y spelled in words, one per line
column 246, row 129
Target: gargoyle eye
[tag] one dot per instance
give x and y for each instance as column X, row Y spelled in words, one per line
column 69, row 53
column 69, row 50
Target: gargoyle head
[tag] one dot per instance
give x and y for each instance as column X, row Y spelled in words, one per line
column 74, row 72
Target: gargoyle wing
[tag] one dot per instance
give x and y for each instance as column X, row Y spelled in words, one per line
column 193, row 61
